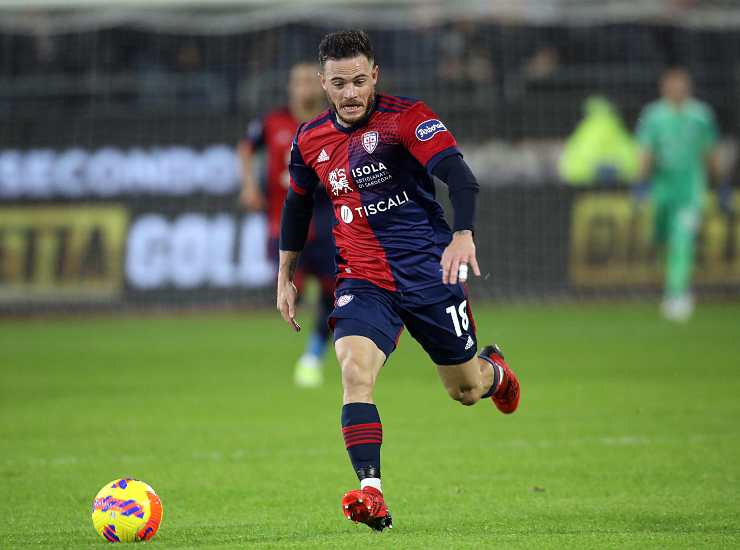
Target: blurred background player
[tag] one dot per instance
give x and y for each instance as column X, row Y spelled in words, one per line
column 274, row 133
column 678, row 136
column 601, row 150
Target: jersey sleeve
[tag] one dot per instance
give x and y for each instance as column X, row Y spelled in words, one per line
column 646, row 134
column 425, row 136
column 303, row 179
column 255, row 134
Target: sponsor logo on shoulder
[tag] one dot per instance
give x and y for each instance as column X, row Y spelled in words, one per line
column 469, row 344
column 370, row 141
column 429, row 128
column 344, row 300
column 323, row 156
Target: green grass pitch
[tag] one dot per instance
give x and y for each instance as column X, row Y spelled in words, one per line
column 628, row 435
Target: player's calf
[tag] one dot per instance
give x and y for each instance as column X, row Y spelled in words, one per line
column 467, row 382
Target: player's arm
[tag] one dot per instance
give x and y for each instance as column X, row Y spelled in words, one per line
column 647, row 161
column 287, row 293
column 433, row 145
column 720, row 180
column 251, row 196
column 294, row 224
column 712, row 158
column 646, row 135
column 463, row 190
column 713, row 162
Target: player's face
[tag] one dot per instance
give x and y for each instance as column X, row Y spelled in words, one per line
column 350, row 87
column 304, row 88
column 676, row 86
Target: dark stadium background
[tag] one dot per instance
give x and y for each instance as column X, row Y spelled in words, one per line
column 138, row 335
column 510, row 82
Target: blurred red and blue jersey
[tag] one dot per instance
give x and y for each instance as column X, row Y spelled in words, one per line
column 274, row 132
column 388, row 227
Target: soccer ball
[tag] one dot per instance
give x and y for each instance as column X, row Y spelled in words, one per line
column 126, row 510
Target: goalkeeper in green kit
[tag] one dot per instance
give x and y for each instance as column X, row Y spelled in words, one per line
column 678, row 138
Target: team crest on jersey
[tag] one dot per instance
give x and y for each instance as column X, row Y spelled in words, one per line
column 338, row 181
column 370, row 141
column 344, row 300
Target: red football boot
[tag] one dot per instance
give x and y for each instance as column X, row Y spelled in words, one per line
column 367, row 506
column 506, row 397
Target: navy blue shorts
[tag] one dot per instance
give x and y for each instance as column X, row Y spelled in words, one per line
column 439, row 318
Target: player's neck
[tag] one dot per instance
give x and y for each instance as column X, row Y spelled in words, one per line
column 677, row 104
column 343, row 123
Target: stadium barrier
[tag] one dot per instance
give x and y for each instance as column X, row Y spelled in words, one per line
column 198, row 248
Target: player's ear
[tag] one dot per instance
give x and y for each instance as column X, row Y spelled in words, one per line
column 374, row 73
column 322, row 79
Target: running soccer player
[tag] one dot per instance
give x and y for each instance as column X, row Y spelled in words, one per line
column 274, row 132
column 398, row 262
column 678, row 136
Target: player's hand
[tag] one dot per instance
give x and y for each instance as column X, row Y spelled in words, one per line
column 460, row 252
column 286, row 299
column 251, row 198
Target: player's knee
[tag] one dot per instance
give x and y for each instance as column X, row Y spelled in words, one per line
column 353, row 374
column 470, row 397
column 464, row 395
column 356, row 379
column 360, row 361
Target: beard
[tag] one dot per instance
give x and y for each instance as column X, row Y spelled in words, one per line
column 337, row 109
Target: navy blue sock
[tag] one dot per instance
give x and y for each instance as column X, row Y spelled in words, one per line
column 363, row 435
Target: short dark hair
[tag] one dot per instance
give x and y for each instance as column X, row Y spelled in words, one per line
column 345, row 44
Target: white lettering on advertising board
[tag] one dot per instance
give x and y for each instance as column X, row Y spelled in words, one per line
column 195, row 250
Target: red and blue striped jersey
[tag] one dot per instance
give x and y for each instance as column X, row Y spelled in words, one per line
column 388, row 228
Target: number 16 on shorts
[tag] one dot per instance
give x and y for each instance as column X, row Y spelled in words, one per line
column 459, row 316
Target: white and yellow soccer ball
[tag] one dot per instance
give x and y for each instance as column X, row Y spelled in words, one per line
column 126, row 510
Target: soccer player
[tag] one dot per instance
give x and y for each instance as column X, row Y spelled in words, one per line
column 274, row 133
column 678, row 136
column 398, row 262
